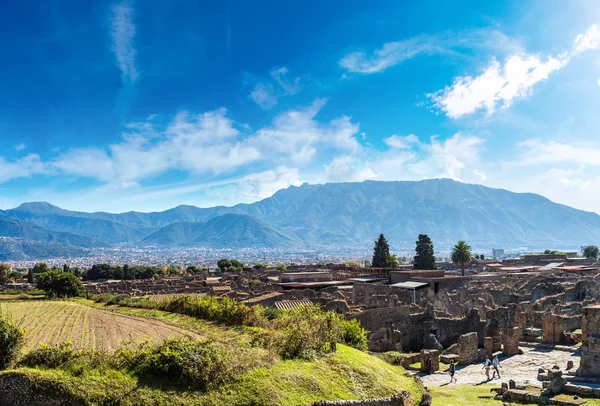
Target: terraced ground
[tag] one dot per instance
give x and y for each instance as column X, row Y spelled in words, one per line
column 53, row 322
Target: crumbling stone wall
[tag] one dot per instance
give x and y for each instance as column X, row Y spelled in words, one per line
column 417, row 328
column 18, row 389
column 590, row 337
column 553, row 326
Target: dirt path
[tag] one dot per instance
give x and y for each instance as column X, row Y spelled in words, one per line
column 520, row 368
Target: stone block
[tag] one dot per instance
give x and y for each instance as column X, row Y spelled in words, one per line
column 435, row 360
column 511, row 341
column 467, row 348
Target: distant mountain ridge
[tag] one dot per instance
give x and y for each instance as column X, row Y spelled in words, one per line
column 319, row 216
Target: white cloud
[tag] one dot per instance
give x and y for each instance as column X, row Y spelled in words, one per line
column 123, row 33
column 348, row 169
column 457, row 157
column 20, row 147
column 255, row 186
column 499, row 85
column 295, row 134
column 392, row 53
column 398, row 142
column 538, row 151
column 289, row 87
column 209, row 144
column 266, row 95
column 21, row 168
column 482, row 176
column 263, row 94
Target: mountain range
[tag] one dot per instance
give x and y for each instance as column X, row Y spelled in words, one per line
column 323, row 216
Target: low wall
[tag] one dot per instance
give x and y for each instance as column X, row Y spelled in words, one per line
column 19, row 389
column 401, row 399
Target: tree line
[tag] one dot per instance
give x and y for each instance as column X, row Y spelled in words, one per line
column 424, row 258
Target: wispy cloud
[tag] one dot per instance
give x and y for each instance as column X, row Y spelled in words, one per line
column 20, row 147
column 123, row 33
column 263, row 94
column 392, row 53
column 499, row 85
column 267, row 93
column 21, row 168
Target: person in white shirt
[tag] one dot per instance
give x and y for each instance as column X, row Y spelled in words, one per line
column 496, row 364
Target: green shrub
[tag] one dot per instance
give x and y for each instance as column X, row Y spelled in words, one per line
column 50, row 356
column 183, row 360
column 307, row 332
column 354, row 335
column 60, row 284
column 11, row 340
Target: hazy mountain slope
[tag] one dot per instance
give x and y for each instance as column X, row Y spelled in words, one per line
column 173, row 234
column 10, row 227
column 240, row 231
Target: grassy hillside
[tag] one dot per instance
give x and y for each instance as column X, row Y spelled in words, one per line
column 263, row 377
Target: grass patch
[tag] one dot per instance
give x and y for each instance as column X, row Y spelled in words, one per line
column 465, row 395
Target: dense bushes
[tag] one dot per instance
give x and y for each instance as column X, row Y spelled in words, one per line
column 183, row 361
column 11, row 340
column 60, row 284
column 301, row 333
column 188, row 362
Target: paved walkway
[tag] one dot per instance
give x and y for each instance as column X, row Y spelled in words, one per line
column 520, row 368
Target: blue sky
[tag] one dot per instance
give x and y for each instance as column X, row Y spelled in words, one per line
column 145, row 105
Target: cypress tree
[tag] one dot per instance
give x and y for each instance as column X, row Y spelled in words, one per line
column 381, row 253
column 424, row 258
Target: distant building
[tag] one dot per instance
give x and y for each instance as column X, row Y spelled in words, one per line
column 498, row 253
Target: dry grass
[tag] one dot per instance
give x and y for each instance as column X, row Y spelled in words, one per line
column 53, row 322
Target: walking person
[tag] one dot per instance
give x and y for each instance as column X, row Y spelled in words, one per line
column 452, row 371
column 487, row 365
column 497, row 366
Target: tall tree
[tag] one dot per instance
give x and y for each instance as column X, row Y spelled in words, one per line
column 424, row 258
column 381, row 253
column 41, row 267
column 5, row 271
column 591, row 252
column 461, row 254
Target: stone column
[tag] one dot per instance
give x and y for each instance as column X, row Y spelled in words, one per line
column 488, row 344
column 550, row 328
column 467, row 348
column 511, row 341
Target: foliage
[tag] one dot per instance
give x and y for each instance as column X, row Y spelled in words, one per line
column 281, row 267
column 354, row 335
column 424, row 258
column 5, row 271
column 125, row 272
column 50, row 356
column 186, row 361
column 381, row 253
column 461, row 254
column 60, row 284
column 259, row 265
column 223, row 264
column 11, row 340
column 30, row 276
column 40, row 267
column 591, row 251
column 194, row 270
column 307, row 332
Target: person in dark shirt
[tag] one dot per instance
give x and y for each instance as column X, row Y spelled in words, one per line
column 452, row 371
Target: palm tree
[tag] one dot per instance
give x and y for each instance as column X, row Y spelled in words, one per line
column 461, row 254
